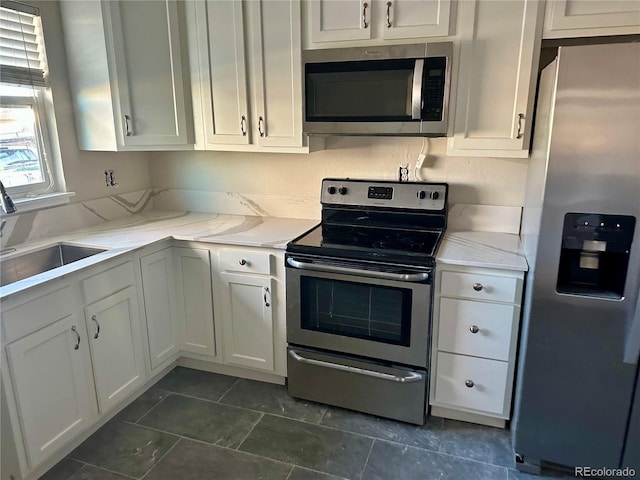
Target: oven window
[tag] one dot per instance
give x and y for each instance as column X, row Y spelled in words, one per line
column 359, row 310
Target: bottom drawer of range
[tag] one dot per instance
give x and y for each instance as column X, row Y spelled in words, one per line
column 347, row 382
column 471, row 382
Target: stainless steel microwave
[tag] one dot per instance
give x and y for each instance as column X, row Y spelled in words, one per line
column 387, row 90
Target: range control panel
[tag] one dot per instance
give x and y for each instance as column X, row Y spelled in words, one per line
column 411, row 195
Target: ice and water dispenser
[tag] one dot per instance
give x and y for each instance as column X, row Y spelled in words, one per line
column 595, row 254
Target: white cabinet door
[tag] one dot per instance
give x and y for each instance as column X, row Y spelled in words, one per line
column 114, row 334
column 276, row 60
column 51, row 375
column 159, row 305
column 411, row 19
column 333, row 21
column 247, row 318
column 218, row 59
column 148, row 68
column 194, row 300
column 587, row 18
column 499, row 53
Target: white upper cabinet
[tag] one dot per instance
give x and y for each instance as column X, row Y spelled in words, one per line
column 588, row 18
column 366, row 22
column 246, row 69
column 126, row 76
column 499, row 53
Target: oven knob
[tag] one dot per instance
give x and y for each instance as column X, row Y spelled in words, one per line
column 331, row 190
column 435, row 196
column 422, row 194
column 342, row 190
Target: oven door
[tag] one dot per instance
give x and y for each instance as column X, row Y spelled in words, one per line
column 359, row 309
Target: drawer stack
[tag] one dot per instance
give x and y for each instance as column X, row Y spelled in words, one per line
column 475, row 331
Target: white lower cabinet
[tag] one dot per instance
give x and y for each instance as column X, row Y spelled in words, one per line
column 159, row 305
column 194, row 302
column 249, row 307
column 116, row 347
column 51, row 375
column 74, row 351
column 475, row 331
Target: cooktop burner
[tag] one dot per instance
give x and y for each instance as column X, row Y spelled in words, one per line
column 389, row 222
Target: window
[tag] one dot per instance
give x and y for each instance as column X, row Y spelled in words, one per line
column 25, row 167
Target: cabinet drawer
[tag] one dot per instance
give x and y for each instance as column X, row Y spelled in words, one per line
column 475, row 328
column 480, row 287
column 105, row 283
column 247, row 261
column 487, row 390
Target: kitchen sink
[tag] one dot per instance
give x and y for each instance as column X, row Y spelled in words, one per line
column 32, row 263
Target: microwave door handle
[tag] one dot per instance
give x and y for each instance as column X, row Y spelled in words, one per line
column 416, row 93
column 632, row 347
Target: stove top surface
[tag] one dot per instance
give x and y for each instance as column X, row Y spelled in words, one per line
column 413, row 247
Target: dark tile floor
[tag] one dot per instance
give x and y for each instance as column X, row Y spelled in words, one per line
column 201, row 426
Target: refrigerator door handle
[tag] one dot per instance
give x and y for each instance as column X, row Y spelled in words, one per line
column 632, row 346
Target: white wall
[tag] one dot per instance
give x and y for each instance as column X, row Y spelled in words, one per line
column 487, row 181
column 83, row 171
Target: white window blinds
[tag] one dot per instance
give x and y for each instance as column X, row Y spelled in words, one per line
column 21, row 46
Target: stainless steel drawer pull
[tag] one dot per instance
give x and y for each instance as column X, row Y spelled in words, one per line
column 95, row 319
column 474, row 329
column 477, row 287
column 243, row 262
column 411, row 377
column 388, row 14
column 364, row 15
column 469, row 383
column 75, row 330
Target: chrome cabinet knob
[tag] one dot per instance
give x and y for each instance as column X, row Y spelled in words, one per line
column 469, row 383
column 474, row 329
column 477, row 287
column 243, row 262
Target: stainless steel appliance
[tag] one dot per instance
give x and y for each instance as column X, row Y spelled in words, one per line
column 359, row 295
column 384, row 90
column 578, row 394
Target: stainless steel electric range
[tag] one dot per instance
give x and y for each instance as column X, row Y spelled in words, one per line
column 359, row 297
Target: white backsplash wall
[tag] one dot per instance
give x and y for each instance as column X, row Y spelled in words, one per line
column 289, row 184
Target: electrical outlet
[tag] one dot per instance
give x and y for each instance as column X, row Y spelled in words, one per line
column 403, row 172
column 110, row 178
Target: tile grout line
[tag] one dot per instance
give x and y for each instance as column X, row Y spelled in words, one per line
column 145, row 413
column 87, row 464
column 250, row 431
column 322, row 416
column 291, row 472
column 228, row 390
column 364, row 467
column 151, row 409
column 161, row 458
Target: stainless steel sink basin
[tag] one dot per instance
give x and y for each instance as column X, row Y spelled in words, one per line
column 19, row 267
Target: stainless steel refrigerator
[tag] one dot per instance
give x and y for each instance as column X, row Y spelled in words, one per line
column 578, row 397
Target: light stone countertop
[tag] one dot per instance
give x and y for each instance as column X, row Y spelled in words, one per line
column 137, row 231
column 482, row 249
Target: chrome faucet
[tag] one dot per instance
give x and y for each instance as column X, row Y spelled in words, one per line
column 5, row 200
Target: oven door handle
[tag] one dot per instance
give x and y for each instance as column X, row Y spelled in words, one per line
column 400, row 277
column 410, row 378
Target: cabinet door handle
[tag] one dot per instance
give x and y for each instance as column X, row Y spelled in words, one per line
column 520, row 133
column 261, row 126
column 243, row 125
column 478, row 287
column 474, row 329
column 364, row 15
column 469, row 383
column 267, row 303
column 75, row 330
column 243, row 262
column 388, row 14
column 127, row 127
column 95, row 319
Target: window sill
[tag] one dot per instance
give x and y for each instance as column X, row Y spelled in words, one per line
column 26, row 204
